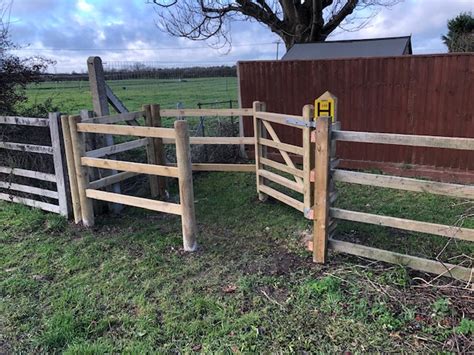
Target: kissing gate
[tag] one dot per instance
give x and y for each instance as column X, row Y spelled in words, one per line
column 302, row 177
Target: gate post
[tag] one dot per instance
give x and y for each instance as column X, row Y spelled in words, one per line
column 321, row 189
column 186, row 191
column 78, row 145
column 308, row 162
column 260, row 151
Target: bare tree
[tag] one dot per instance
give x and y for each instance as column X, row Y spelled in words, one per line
column 15, row 72
column 295, row 21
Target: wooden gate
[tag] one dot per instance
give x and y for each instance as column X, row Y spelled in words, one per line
column 281, row 178
column 55, row 201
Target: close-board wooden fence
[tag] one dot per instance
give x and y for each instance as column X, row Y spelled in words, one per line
column 325, row 136
column 56, row 150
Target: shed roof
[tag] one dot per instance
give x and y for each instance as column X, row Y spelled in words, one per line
column 376, row 47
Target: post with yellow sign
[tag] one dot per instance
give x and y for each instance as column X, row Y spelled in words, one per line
column 325, row 111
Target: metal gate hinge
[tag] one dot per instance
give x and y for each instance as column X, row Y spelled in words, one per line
column 301, row 123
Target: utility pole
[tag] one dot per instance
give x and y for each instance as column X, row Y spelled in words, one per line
column 278, row 48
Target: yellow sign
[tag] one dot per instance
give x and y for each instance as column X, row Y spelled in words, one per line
column 324, row 107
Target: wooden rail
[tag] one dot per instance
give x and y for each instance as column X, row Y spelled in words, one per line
column 28, row 173
column 117, row 148
column 215, row 140
column 140, row 168
column 207, row 112
column 24, row 121
column 122, row 117
column 150, row 132
column 405, row 139
column 280, row 118
column 407, row 184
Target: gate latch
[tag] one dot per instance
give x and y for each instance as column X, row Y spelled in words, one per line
column 301, row 123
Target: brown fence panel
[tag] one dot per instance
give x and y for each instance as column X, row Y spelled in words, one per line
column 421, row 95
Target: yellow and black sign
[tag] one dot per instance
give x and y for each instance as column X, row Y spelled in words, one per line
column 325, row 105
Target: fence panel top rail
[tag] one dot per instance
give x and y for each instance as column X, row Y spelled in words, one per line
column 24, row 121
column 207, row 112
column 122, row 117
column 287, row 120
column 136, row 131
column 405, row 139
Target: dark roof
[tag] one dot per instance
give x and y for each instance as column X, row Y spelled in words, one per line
column 376, row 47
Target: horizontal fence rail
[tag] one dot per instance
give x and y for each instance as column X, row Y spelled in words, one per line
column 324, row 145
column 207, row 112
column 56, row 150
column 405, row 139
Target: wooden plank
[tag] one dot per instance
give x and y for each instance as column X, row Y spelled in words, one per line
column 150, row 132
column 118, row 105
column 284, row 154
column 404, row 224
column 407, row 184
column 110, row 180
column 151, row 152
column 158, row 151
column 281, row 146
column 413, row 262
column 117, row 148
column 247, row 168
column 222, row 140
column 139, row 168
column 30, row 148
column 405, row 139
column 82, row 176
column 121, row 117
column 290, row 201
column 279, row 118
column 152, row 205
column 308, row 160
column 185, row 182
column 260, row 152
column 281, row 180
column 31, row 203
column 59, row 163
column 71, row 169
column 207, row 112
column 28, row 173
column 282, row 167
column 321, row 189
column 24, row 121
column 29, row 189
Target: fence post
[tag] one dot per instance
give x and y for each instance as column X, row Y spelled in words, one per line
column 186, row 191
column 71, row 169
column 321, row 189
column 78, row 145
column 58, row 161
column 159, row 149
column 101, row 107
column 308, row 161
column 260, row 151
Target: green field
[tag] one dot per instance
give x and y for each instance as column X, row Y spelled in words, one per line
column 71, row 97
column 126, row 286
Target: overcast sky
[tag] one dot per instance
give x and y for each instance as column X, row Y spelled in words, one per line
column 125, row 30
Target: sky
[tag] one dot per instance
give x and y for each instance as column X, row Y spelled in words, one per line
column 68, row 31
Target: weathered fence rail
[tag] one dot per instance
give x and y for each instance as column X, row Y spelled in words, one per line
column 56, row 150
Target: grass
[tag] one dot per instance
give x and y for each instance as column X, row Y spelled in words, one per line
column 125, row 286
column 72, row 97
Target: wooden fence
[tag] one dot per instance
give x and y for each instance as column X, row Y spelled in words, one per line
column 153, row 137
column 325, row 136
column 56, row 150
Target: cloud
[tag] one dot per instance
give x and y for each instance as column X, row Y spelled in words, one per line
column 108, row 27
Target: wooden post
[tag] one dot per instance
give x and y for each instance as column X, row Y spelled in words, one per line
column 58, row 160
column 71, row 169
column 260, row 151
column 308, row 162
column 78, row 145
column 321, row 190
column 155, row 151
column 101, row 106
column 186, row 191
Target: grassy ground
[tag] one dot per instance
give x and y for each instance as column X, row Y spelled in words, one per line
column 71, row 97
column 127, row 286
